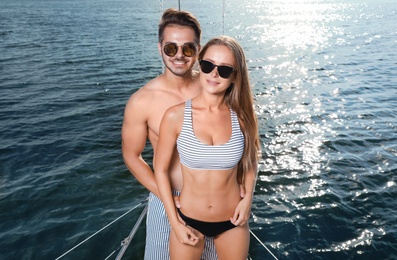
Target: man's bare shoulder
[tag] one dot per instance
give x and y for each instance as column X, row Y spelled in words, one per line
column 149, row 94
column 149, row 90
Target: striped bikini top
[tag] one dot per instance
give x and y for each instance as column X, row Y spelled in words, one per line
column 196, row 155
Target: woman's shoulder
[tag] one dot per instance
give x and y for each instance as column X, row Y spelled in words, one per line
column 175, row 113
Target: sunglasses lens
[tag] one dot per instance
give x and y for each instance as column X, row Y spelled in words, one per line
column 223, row 71
column 170, row 49
column 206, row 66
column 189, row 49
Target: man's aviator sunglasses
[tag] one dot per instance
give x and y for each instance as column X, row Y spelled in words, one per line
column 189, row 49
column 223, row 71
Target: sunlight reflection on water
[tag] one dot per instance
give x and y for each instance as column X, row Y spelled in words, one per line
column 292, row 64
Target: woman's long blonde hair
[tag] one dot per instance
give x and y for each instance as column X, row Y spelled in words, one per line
column 239, row 98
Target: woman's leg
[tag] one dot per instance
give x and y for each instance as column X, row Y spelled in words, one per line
column 233, row 244
column 182, row 251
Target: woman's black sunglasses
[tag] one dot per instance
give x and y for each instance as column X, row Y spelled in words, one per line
column 189, row 49
column 223, row 71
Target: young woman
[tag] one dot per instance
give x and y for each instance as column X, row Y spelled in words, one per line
column 216, row 136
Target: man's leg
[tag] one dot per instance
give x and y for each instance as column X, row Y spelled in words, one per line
column 157, row 231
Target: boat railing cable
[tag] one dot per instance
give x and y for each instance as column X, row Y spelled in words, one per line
column 96, row 233
column 126, row 242
column 270, row 252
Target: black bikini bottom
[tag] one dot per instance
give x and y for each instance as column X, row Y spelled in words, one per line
column 209, row 229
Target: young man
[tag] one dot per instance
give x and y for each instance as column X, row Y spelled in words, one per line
column 179, row 43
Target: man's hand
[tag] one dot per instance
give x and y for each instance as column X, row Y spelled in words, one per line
column 178, row 205
column 242, row 191
column 177, row 202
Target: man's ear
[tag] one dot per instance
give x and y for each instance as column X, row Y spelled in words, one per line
column 159, row 48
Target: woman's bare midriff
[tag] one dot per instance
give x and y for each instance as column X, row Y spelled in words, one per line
column 209, row 195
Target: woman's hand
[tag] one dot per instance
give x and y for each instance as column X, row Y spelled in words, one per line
column 185, row 234
column 242, row 212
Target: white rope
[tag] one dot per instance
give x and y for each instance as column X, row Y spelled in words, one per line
column 110, row 255
column 262, row 244
column 85, row 240
column 223, row 18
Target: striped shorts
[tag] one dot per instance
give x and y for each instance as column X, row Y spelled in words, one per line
column 158, row 232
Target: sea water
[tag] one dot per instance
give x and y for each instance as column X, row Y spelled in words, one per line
column 325, row 88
